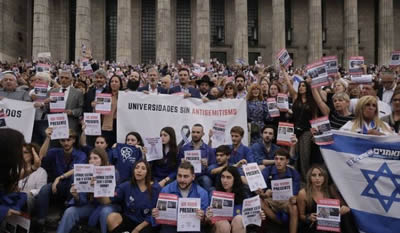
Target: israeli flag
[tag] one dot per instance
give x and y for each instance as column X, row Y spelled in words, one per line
column 366, row 169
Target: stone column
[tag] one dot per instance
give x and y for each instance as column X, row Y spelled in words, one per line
column 314, row 30
column 240, row 44
column 163, row 43
column 83, row 27
column 386, row 31
column 202, row 30
column 278, row 28
column 124, row 32
column 41, row 26
column 350, row 29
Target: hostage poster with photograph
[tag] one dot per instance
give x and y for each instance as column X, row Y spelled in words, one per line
column 273, row 107
column 317, row 71
column 251, row 211
column 328, row 215
column 103, row 103
column 395, row 59
column 284, row 58
column 285, row 132
column 282, row 102
column 40, row 91
column 222, row 204
column 356, row 65
column 167, row 206
column 104, row 185
column 331, row 64
column 154, row 112
column 57, row 102
column 323, row 134
column 254, row 177
column 154, row 148
column 187, row 214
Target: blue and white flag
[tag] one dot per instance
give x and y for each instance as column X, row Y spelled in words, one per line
column 366, row 169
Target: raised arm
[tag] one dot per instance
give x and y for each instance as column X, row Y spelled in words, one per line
column 318, row 99
column 46, row 143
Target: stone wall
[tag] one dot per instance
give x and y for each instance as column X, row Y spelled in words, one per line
column 98, row 29
column 59, row 30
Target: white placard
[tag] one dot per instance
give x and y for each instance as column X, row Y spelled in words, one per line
column 282, row 102
column 105, row 181
column 103, row 103
column 282, row 189
column 395, row 59
column 187, row 214
column 273, row 107
column 154, row 148
column 254, row 177
column 57, row 102
column 167, row 204
column 285, row 132
column 284, row 58
column 331, row 64
column 219, row 128
column 59, row 123
column 194, row 157
column 16, row 224
column 361, row 79
column 40, row 91
column 323, row 134
column 355, row 65
column 317, row 71
column 83, row 174
column 222, row 205
column 251, row 211
column 92, row 123
column 328, row 215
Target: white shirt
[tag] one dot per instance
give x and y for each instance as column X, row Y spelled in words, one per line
column 349, row 125
column 384, row 108
column 34, row 182
column 387, row 94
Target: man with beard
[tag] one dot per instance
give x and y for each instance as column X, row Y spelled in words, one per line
column 59, row 164
column 240, row 83
column 207, row 156
column 204, row 84
column 152, row 87
column 133, row 81
column 184, row 85
column 184, row 187
column 100, row 86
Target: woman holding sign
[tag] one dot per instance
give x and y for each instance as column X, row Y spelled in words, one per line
column 84, row 205
column 230, row 182
column 137, row 198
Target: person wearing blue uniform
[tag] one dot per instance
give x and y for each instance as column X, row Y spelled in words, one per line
column 184, row 187
column 124, row 156
column 281, row 212
column 164, row 170
column 184, row 87
column 137, row 198
column 59, row 165
column 207, row 155
column 11, row 143
column 263, row 151
column 84, row 205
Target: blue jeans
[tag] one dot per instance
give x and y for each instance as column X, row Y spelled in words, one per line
column 205, row 182
column 73, row 214
column 45, row 193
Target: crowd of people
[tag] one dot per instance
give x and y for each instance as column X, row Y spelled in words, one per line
column 39, row 175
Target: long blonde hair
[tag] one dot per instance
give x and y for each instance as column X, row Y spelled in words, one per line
column 359, row 116
column 309, row 186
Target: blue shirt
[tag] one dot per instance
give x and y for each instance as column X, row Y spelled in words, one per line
column 259, row 153
column 206, row 152
column 271, row 173
column 55, row 165
column 137, row 205
column 243, row 152
column 124, row 156
column 161, row 169
column 11, row 201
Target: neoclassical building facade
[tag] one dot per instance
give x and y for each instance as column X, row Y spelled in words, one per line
column 143, row 31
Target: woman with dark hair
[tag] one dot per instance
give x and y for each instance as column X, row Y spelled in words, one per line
column 109, row 121
column 137, row 198
column 11, row 202
column 257, row 112
column 33, row 177
column 164, row 170
column 84, row 205
column 394, row 119
column 230, row 91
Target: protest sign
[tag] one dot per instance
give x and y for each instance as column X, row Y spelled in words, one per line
column 92, row 123
column 361, row 79
column 154, row 148
column 273, row 108
column 103, row 103
column 40, row 91
column 254, row 177
column 323, row 134
column 331, row 64
column 20, row 115
column 356, row 65
column 284, row 58
column 167, row 206
column 282, row 102
column 3, row 123
column 395, row 59
column 328, row 215
column 282, row 189
column 42, row 67
column 194, row 157
column 44, row 56
column 16, row 224
column 285, row 132
column 218, row 129
column 105, row 181
column 187, row 214
column 154, row 112
column 83, row 174
column 59, row 123
column 297, row 79
column 251, row 211
column 222, row 204
column 317, row 71
column 57, row 102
